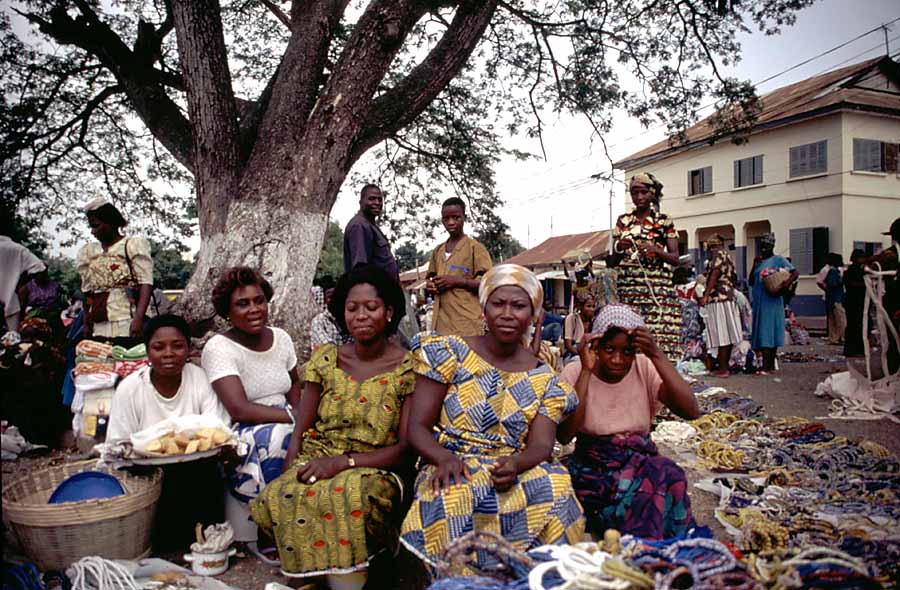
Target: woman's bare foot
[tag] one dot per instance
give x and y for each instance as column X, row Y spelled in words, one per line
column 722, row 374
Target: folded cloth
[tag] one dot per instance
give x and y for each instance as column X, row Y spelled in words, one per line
column 98, row 403
column 92, row 367
column 135, row 353
column 86, row 358
column 126, row 368
column 95, row 381
column 93, row 348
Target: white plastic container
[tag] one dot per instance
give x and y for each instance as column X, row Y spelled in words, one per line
column 209, row 564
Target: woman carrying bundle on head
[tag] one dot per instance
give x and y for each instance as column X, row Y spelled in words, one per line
column 484, row 418
column 623, row 379
column 646, row 250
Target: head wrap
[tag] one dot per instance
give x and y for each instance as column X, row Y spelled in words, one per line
column 616, row 315
column 95, row 204
column 650, row 181
column 503, row 275
column 767, row 240
column 714, row 241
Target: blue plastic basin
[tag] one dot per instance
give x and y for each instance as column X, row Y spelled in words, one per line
column 87, row 485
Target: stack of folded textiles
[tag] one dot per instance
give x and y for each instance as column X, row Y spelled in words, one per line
column 95, row 382
column 128, row 360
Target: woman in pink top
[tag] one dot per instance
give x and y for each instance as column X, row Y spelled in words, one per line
column 622, row 379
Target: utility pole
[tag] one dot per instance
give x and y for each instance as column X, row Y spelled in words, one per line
column 887, row 44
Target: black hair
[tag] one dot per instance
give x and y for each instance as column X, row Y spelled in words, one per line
column 857, row 253
column 325, row 282
column 385, row 285
column 611, row 333
column 231, row 279
column 367, row 186
column 835, row 259
column 166, row 320
column 454, row 201
column 681, row 275
column 109, row 215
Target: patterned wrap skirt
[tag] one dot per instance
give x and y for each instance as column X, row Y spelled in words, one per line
column 651, row 293
column 267, row 446
column 333, row 526
column 624, row 483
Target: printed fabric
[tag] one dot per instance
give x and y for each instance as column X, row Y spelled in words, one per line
column 624, row 483
column 337, row 525
column 656, row 228
column 109, row 271
column 724, row 287
column 486, row 414
column 457, row 311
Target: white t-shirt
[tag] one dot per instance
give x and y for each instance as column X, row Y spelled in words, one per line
column 264, row 375
column 137, row 405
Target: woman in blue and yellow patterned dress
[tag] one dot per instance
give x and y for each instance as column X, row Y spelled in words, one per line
column 484, row 417
column 338, row 502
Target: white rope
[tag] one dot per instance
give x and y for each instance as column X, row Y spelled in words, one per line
column 95, row 573
column 579, row 570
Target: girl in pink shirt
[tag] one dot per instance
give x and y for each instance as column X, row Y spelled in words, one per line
column 622, row 380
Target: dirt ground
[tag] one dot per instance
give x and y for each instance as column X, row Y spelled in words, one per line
column 787, row 393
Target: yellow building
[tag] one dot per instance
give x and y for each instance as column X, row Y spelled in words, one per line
column 819, row 170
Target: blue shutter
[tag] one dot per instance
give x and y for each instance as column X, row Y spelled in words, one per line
column 757, row 170
column 801, row 244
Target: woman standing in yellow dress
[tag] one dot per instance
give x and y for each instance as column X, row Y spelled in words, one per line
column 484, row 418
column 337, row 503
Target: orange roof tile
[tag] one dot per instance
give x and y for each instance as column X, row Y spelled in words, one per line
column 553, row 249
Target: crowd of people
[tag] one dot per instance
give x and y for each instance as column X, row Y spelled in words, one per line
column 384, row 438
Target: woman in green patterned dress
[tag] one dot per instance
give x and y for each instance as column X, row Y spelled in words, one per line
column 338, row 502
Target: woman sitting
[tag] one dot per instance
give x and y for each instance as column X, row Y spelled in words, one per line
column 169, row 387
column 622, row 380
column 484, row 418
column 253, row 370
column 338, row 502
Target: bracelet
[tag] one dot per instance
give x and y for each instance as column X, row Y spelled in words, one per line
column 350, row 460
column 290, row 412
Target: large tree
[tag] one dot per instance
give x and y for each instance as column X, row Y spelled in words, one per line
column 266, row 105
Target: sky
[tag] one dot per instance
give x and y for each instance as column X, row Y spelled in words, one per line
column 558, row 188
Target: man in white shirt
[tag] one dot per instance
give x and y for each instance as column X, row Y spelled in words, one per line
column 15, row 259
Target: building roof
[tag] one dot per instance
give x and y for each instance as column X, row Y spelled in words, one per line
column 845, row 88
column 414, row 275
column 554, row 249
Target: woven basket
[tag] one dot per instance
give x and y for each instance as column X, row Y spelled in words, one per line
column 55, row 535
column 773, row 282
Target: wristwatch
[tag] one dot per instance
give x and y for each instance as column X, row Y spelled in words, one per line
column 350, row 461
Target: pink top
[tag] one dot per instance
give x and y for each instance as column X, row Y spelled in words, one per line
column 617, row 408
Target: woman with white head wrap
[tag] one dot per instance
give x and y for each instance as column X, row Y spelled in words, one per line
column 623, row 379
column 484, row 418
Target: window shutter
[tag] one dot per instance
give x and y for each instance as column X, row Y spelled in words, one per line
column 858, row 156
column 891, row 155
column 797, row 157
column 801, row 244
column 819, row 158
column 706, row 176
column 757, row 170
column 737, row 173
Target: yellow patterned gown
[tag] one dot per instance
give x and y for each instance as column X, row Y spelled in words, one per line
column 336, row 525
column 486, row 414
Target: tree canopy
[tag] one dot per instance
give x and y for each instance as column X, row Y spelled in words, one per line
column 267, row 109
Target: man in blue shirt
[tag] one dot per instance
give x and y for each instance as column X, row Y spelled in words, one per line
column 364, row 242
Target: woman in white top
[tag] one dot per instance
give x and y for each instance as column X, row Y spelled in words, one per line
column 169, row 387
column 253, row 370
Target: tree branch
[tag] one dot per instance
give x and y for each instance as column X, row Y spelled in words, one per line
column 400, row 105
column 141, row 83
column 279, row 14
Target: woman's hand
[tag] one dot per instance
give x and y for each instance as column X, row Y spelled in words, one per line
column 703, row 300
column 646, row 248
column 137, row 327
column 587, row 354
column 450, row 471
column 644, row 342
column 504, row 473
column 321, row 468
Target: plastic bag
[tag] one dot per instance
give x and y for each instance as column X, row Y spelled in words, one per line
column 190, row 426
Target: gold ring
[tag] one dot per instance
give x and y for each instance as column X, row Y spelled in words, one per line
column 312, row 479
